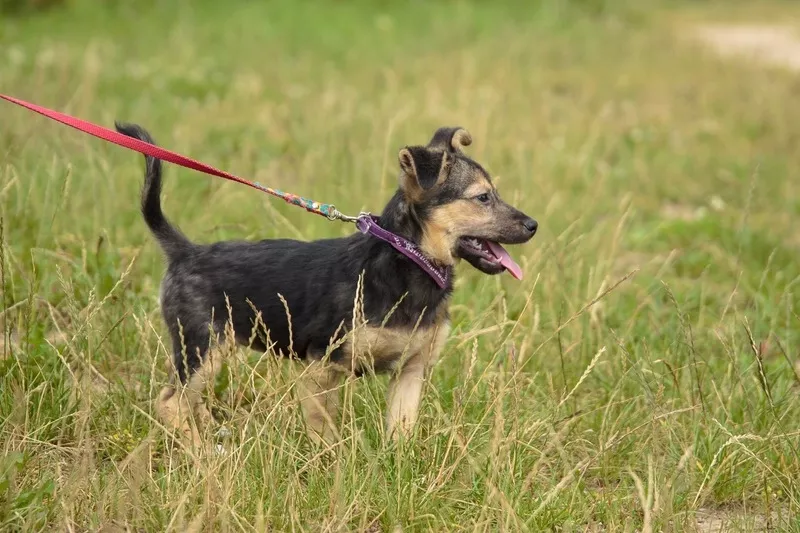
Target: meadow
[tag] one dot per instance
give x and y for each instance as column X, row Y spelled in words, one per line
column 643, row 375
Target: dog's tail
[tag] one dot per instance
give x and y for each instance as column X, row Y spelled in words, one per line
column 172, row 241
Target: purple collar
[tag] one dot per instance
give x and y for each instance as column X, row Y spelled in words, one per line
column 368, row 224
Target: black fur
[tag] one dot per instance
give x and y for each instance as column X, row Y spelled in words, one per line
column 172, row 240
column 317, row 279
column 443, row 139
column 423, row 163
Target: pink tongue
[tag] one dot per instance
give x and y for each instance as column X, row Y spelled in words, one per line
column 505, row 259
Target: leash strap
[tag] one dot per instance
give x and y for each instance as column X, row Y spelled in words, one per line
column 365, row 222
column 326, row 210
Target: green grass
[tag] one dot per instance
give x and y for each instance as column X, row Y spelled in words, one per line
column 664, row 180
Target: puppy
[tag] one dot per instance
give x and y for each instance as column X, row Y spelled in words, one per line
column 349, row 305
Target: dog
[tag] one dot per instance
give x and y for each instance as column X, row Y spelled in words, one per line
column 345, row 305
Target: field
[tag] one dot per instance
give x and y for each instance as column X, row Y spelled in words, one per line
column 644, row 376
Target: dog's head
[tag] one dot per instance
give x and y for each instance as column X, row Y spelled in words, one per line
column 457, row 206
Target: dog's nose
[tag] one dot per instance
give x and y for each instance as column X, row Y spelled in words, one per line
column 530, row 225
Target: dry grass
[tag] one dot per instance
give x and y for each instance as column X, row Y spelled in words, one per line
column 640, row 376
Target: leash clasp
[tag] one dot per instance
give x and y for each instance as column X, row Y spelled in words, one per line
column 335, row 214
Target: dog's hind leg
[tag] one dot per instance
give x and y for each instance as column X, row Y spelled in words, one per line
column 181, row 404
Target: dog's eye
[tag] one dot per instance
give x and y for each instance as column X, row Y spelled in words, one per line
column 483, row 198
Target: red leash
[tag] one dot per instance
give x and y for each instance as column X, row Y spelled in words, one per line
column 326, row 210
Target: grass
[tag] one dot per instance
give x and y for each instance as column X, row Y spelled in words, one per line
column 644, row 370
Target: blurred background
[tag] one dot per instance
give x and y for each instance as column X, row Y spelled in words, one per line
column 645, row 372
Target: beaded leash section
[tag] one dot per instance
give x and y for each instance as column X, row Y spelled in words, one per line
column 326, row 210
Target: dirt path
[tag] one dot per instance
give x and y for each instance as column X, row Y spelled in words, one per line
column 773, row 45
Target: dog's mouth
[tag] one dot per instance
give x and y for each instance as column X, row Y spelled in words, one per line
column 487, row 256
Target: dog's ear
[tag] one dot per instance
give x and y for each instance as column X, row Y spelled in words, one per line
column 421, row 169
column 450, row 139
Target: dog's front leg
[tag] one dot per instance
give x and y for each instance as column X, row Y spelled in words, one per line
column 405, row 388
column 404, row 396
column 319, row 398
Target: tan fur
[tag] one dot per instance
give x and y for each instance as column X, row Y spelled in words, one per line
column 460, row 139
column 183, row 408
column 449, row 222
column 382, row 347
column 410, row 352
column 319, row 399
column 481, row 186
column 405, row 387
